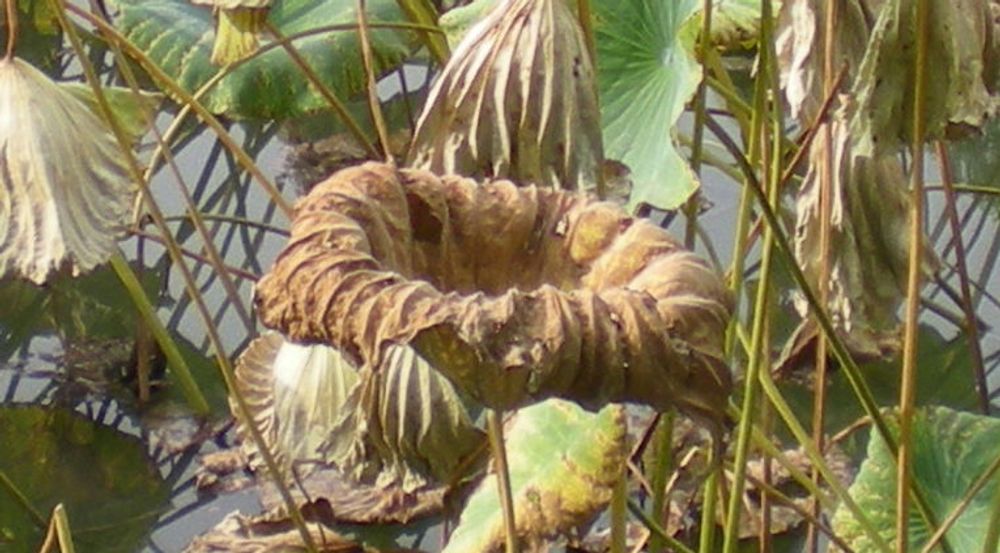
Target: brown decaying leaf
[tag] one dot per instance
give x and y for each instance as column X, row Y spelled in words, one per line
column 517, row 99
column 65, row 191
column 514, row 294
column 401, row 428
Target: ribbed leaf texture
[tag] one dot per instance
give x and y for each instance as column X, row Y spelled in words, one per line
column 515, row 294
column 65, row 191
column 517, row 99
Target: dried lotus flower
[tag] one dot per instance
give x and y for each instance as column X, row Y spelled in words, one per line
column 238, row 24
column 514, row 294
column 517, row 100
column 65, row 192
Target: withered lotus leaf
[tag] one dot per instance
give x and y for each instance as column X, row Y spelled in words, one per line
column 514, row 294
column 517, row 99
column 65, row 190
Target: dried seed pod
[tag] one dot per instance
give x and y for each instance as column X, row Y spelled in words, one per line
column 514, row 294
column 517, row 99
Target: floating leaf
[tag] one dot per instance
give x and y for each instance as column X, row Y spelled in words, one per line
column 951, row 450
column 178, row 37
column 563, row 464
column 943, row 377
column 113, row 494
column 65, row 192
column 516, row 100
column 574, row 299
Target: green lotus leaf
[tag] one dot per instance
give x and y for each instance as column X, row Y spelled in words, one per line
column 134, row 112
column 646, row 75
column 178, row 36
column 976, row 159
column 67, row 194
column 110, row 490
column 563, row 464
column 951, row 450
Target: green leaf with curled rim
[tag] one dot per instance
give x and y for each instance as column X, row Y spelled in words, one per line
column 563, row 463
column 646, row 75
column 951, row 450
column 111, row 491
column 178, row 37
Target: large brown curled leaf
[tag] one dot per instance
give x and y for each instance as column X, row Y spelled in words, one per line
column 515, row 294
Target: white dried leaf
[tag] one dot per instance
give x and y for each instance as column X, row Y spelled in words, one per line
column 65, row 192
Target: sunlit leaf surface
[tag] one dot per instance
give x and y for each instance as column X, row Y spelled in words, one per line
column 65, row 191
column 112, row 493
column 608, row 308
column 951, row 450
column 178, row 36
column 401, row 426
column 517, row 100
column 563, row 462
column 647, row 74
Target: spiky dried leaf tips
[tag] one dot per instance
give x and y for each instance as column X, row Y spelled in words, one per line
column 237, row 28
column 514, row 294
column 518, row 100
column 65, row 192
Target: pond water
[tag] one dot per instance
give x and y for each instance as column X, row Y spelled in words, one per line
column 43, row 370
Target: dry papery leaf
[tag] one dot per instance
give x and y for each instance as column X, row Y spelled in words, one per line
column 517, row 99
column 241, row 534
column 514, row 294
column 869, row 126
column 65, row 191
column 398, row 431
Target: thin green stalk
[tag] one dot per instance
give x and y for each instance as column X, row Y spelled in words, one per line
column 191, row 391
column 992, row 539
column 11, row 8
column 694, row 202
column 21, row 499
column 825, row 210
column 971, row 328
column 847, row 363
column 208, row 242
column 60, row 521
column 758, row 351
column 188, row 279
column 338, row 107
column 374, row 107
column 731, row 536
column 112, row 35
column 907, row 392
column 232, row 219
column 662, row 467
column 619, row 512
column 423, row 12
column 494, row 431
column 710, row 495
column 178, row 122
column 962, row 505
column 672, row 542
column 816, row 457
column 178, row 366
column 586, row 20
